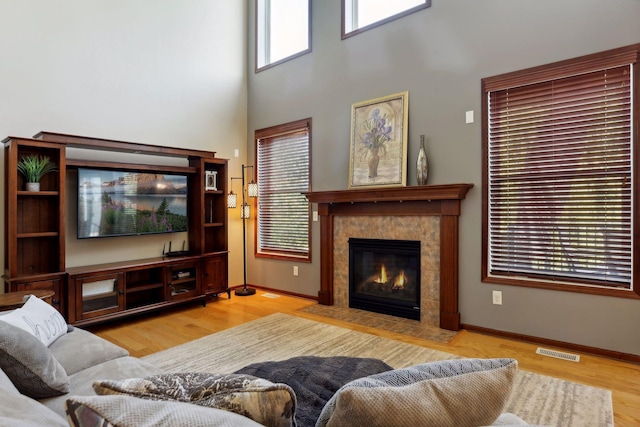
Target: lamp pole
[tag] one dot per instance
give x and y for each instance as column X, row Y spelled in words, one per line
column 244, row 291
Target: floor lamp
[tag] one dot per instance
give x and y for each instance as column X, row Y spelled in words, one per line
column 252, row 191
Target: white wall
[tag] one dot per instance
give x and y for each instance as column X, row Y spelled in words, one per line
column 161, row 72
column 440, row 55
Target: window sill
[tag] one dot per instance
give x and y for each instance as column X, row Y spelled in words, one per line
column 564, row 287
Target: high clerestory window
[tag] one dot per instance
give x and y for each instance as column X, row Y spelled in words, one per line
column 560, row 157
column 283, row 31
column 361, row 15
column 284, row 174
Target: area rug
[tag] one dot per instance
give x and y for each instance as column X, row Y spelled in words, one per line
column 536, row 398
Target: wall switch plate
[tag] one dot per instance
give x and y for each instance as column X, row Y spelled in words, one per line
column 236, row 153
column 315, row 215
column 468, row 117
column 295, row 270
column 497, row 297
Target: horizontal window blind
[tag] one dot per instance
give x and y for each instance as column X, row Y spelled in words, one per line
column 283, row 211
column 560, row 179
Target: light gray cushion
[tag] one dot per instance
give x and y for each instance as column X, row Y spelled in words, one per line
column 267, row 403
column 461, row 392
column 117, row 369
column 18, row 410
column 128, row 411
column 509, row 419
column 7, row 384
column 39, row 319
column 29, row 364
column 79, row 349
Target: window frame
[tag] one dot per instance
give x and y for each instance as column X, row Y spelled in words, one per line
column 271, row 132
column 344, row 15
column 262, row 42
column 550, row 72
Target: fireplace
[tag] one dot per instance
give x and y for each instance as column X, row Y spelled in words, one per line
column 394, row 213
column 384, row 276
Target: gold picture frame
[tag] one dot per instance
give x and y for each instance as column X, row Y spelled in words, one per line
column 378, row 147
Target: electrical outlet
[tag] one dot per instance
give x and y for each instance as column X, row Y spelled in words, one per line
column 295, row 270
column 315, row 215
column 236, row 153
column 497, row 297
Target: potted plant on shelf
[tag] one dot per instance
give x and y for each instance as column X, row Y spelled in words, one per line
column 34, row 167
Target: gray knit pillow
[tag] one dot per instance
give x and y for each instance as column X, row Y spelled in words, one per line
column 270, row 404
column 29, row 364
column 128, row 411
column 462, row 392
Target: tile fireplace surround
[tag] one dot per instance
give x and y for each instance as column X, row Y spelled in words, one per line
column 426, row 213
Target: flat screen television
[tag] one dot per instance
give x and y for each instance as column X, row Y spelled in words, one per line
column 125, row 203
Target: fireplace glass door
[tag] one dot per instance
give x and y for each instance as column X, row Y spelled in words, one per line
column 384, row 276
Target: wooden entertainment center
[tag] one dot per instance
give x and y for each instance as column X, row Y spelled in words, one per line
column 35, row 256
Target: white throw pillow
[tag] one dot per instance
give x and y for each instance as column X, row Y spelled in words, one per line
column 39, row 319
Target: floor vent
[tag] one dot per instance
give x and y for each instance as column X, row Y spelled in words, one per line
column 558, row 354
column 269, row 295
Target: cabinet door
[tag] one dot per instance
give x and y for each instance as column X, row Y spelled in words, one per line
column 214, row 274
column 97, row 295
column 183, row 281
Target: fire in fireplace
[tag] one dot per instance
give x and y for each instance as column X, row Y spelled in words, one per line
column 384, row 276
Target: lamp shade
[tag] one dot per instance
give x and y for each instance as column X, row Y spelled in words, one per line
column 245, row 211
column 232, row 200
column 253, row 189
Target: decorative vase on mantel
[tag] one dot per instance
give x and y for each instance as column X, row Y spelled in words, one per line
column 422, row 164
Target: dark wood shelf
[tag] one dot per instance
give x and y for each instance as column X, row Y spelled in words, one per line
column 141, row 288
column 34, row 222
column 36, row 235
column 398, row 194
column 42, row 193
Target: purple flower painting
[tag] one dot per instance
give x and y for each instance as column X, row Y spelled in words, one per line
column 378, row 142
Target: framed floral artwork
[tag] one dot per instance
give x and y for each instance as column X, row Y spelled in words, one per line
column 378, row 149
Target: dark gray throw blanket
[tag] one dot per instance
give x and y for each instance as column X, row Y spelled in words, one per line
column 315, row 379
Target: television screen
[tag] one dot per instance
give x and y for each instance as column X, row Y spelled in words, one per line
column 125, row 203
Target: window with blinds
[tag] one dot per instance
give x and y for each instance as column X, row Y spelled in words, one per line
column 558, row 153
column 284, row 173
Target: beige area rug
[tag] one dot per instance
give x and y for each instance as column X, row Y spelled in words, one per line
column 538, row 399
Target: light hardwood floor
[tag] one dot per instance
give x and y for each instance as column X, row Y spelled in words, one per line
column 149, row 334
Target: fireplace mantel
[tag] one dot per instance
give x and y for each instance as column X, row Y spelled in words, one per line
column 395, row 194
column 441, row 200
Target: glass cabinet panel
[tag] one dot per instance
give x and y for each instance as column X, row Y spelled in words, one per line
column 100, row 296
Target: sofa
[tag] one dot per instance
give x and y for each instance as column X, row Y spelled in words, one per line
column 52, row 374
